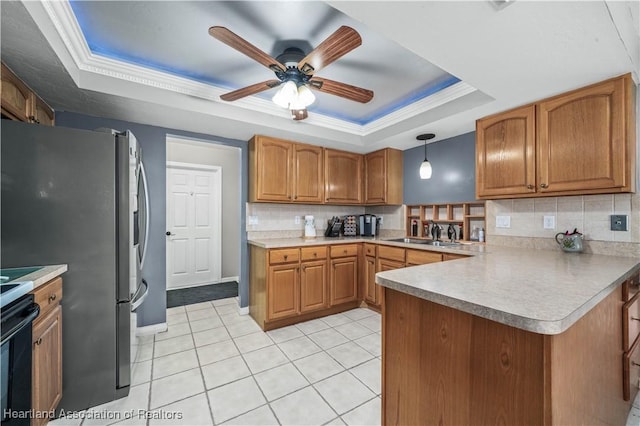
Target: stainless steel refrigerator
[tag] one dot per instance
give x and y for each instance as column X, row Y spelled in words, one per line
column 79, row 197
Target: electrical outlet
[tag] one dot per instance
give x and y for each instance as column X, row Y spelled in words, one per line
column 381, row 219
column 253, row 220
column 619, row 222
column 549, row 222
column 503, row 221
column 296, row 220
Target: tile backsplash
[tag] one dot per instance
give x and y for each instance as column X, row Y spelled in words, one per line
column 588, row 213
column 278, row 220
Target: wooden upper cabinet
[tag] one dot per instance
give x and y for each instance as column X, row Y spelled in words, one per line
column 308, row 174
column 271, row 167
column 383, row 177
column 20, row 103
column 343, row 177
column 505, row 153
column 284, row 171
column 16, row 96
column 583, row 142
column 581, row 139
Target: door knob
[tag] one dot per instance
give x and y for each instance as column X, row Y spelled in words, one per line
column 168, row 233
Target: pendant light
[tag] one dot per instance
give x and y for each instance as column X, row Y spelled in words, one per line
column 425, row 167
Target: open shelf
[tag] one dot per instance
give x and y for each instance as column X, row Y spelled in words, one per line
column 468, row 214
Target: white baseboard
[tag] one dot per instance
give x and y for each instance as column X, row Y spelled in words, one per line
column 243, row 311
column 148, row 330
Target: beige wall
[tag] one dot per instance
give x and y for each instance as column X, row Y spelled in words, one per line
column 210, row 154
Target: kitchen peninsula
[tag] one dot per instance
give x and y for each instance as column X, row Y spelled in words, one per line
column 511, row 336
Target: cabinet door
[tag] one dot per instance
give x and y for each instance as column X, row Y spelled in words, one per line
column 308, row 174
column 271, row 172
column 15, row 95
column 581, row 139
column 505, row 153
column 375, row 172
column 370, row 294
column 343, row 177
column 313, row 286
column 283, row 291
column 42, row 113
column 47, row 363
column 383, row 177
column 344, row 280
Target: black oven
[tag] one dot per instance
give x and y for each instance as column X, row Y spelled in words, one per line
column 16, row 320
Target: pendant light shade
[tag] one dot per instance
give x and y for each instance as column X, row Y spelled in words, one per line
column 294, row 97
column 425, row 170
column 425, row 167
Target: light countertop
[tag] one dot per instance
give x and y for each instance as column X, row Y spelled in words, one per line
column 543, row 291
column 47, row 273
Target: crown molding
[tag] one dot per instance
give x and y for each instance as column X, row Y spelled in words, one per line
column 61, row 16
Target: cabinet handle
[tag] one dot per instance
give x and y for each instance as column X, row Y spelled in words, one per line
column 635, row 319
column 298, row 269
column 295, row 198
column 315, row 254
column 39, row 341
column 304, row 268
column 285, row 256
column 289, row 196
column 529, row 186
column 52, row 297
column 635, row 363
column 544, row 185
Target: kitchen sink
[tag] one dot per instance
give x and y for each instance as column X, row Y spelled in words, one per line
column 425, row 242
column 12, row 274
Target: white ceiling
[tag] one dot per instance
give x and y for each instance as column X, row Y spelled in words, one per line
column 504, row 57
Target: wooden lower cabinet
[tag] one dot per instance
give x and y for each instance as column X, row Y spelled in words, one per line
column 47, row 350
column 283, row 288
column 313, row 287
column 370, row 287
column 344, row 280
column 444, row 366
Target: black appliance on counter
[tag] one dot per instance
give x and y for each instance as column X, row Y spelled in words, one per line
column 334, row 227
column 368, row 225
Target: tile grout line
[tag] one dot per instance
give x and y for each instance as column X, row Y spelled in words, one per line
column 204, row 383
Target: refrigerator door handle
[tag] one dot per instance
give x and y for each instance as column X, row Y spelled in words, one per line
column 143, row 175
column 141, row 294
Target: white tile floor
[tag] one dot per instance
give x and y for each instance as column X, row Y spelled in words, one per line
column 214, row 366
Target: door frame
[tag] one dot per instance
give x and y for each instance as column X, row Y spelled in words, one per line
column 217, row 251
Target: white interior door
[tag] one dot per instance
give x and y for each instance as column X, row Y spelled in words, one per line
column 193, row 225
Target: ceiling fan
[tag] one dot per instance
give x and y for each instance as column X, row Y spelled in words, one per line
column 295, row 71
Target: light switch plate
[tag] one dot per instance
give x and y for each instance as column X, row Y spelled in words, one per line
column 296, row 220
column 549, row 222
column 619, row 222
column 503, row 221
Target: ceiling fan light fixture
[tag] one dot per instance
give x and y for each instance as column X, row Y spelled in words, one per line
column 305, row 96
column 287, row 94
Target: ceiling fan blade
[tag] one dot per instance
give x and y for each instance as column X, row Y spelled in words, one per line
column 250, row 90
column 344, row 90
column 338, row 44
column 231, row 39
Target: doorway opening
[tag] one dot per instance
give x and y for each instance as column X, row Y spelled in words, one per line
column 203, row 217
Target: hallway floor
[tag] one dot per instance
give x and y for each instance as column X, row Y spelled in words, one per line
column 214, row 366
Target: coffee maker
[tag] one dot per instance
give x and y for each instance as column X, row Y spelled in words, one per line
column 368, row 225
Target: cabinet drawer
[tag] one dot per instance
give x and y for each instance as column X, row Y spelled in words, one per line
column 391, row 253
column 313, row 253
column 421, row 257
column 631, row 372
column 343, row 250
column 630, row 322
column 284, row 255
column 369, row 249
column 48, row 295
column 630, row 287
